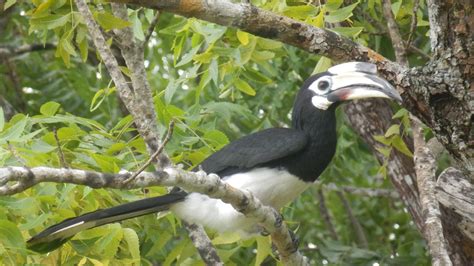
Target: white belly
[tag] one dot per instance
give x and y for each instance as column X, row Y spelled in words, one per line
column 273, row 187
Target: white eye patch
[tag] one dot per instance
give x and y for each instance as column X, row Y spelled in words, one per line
column 321, row 86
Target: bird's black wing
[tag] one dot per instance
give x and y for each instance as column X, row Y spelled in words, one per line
column 256, row 149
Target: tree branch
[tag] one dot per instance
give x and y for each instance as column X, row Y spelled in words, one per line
column 323, row 210
column 438, row 17
column 267, row 24
column 211, row 185
column 455, row 193
column 397, row 40
column 27, row 48
column 425, row 166
column 152, row 26
column 414, row 22
column 360, row 191
column 362, row 239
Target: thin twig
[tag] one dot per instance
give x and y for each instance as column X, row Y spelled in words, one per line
column 417, row 50
column 325, row 214
column 151, row 28
column 414, row 22
column 9, row 51
column 355, row 223
column 62, row 158
column 397, row 41
column 361, row 191
column 155, row 154
column 14, row 153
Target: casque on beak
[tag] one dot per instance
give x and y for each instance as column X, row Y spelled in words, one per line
column 357, row 80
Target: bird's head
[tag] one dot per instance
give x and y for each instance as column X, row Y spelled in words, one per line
column 348, row 81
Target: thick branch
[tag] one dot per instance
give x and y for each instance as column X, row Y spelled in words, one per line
column 267, row 24
column 16, row 179
column 455, row 193
column 438, row 17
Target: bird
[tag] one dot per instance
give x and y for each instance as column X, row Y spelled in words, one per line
column 275, row 165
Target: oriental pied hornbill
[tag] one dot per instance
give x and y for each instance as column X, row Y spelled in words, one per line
column 275, row 164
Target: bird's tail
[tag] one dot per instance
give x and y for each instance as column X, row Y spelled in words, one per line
column 56, row 235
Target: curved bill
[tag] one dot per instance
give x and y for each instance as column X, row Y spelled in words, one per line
column 360, row 85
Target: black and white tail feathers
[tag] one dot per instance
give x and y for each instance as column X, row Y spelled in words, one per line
column 56, row 235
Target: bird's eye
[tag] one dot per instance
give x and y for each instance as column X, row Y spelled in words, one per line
column 323, row 85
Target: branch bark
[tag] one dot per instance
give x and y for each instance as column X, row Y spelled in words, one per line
column 425, row 165
column 211, row 185
column 455, row 194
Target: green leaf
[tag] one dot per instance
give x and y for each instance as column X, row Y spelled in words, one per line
column 13, row 132
column 170, row 90
column 131, row 237
column 255, row 75
column 341, row 14
column 385, row 151
column 264, row 249
column 351, row 32
column 399, row 144
column 49, row 108
column 176, row 27
column 98, row 94
column 301, row 11
column 214, row 71
column 400, row 113
column 261, row 56
column 137, row 27
column 323, row 64
column 226, row 238
column 244, row 87
column 267, row 44
column 333, row 4
column 317, row 21
column 187, row 57
column 11, row 237
column 109, row 21
column 382, row 139
column 396, row 7
column 45, row 6
column 8, row 4
column 392, row 130
column 106, row 163
column 244, row 53
column 109, row 243
column 48, row 22
column 243, row 37
column 83, row 49
column 35, row 222
column 216, row 138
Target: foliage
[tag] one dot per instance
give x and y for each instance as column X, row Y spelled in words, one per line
column 218, row 84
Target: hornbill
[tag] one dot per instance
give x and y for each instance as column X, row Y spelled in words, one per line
column 275, row 165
